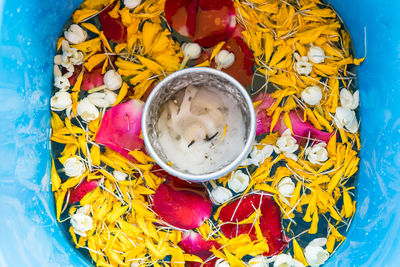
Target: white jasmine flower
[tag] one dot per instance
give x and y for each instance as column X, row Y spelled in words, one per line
column 112, row 80
column 81, row 222
column 238, row 182
column 56, row 70
column 120, row 176
column 260, row 261
column 62, row 83
column 83, row 210
column 314, row 253
column 76, row 57
column 317, row 153
column 220, row 195
column 285, row 260
column 60, row 101
column 87, row 110
column 110, row 97
column 131, row 4
column 345, row 117
column 191, row 50
column 75, row 34
column 349, row 100
column 58, row 59
column 302, row 66
column 74, row 167
column 312, row 95
column 99, row 100
column 286, row 187
column 316, row 55
column 287, row 144
column 103, row 100
column 257, row 157
column 69, row 58
column 222, row 263
column 224, row 59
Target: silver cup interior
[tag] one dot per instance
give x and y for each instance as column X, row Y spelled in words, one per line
column 178, row 81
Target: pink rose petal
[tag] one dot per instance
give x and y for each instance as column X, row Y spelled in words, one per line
column 121, row 127
column 304, row 129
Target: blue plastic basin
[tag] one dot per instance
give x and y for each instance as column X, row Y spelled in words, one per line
column 29, row 235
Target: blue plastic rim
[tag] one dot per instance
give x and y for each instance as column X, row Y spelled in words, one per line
column 29, row 235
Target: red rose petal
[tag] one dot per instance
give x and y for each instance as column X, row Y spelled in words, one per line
column 194, row 243
column 185, row 208
column 121, row 127
column 242, row 68
column 114, row 30
column 181, row 15
column 270, row 221
column 206, row 22
column 215, row 22
column 74, row 77
column 92, row 79
column 77, row 193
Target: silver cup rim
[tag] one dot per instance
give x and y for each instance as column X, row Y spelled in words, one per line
column 208, row 176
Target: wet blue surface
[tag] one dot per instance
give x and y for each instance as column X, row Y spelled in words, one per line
column 28, row 231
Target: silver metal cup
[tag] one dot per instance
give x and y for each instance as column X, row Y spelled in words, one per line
column 197, row 77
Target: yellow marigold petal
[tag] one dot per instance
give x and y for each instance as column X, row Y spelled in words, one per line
column 216, row 49
column 323, row 121
column 82, row 14
column 90, row 27
column 287, row 121
column 298, row 253
column 177, row 259
column 233, row 261
column 150, row 31
column 105, row 41
column 59, row 42
column 150, row 64
column 204, row 64
column 275, row 118
column 268, row 46
column 358, row 61
column 95, row 155
column 331, row 147
column 114, row 13
column 192, row 258
column 78, row 83
column 141, row 88
column 314, row 224
column 94, row 60
column 59, row 198
column 90, row 46
column 56, row 122
column 105, row 65
column 55, row 178
column 141, row 157
column 330, row 244
column 119, row 47
column 122, row 93
column 335, row 180
column 348, row 204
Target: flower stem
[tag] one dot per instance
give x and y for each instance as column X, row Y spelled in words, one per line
column 184, row 62
column 96, row 89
